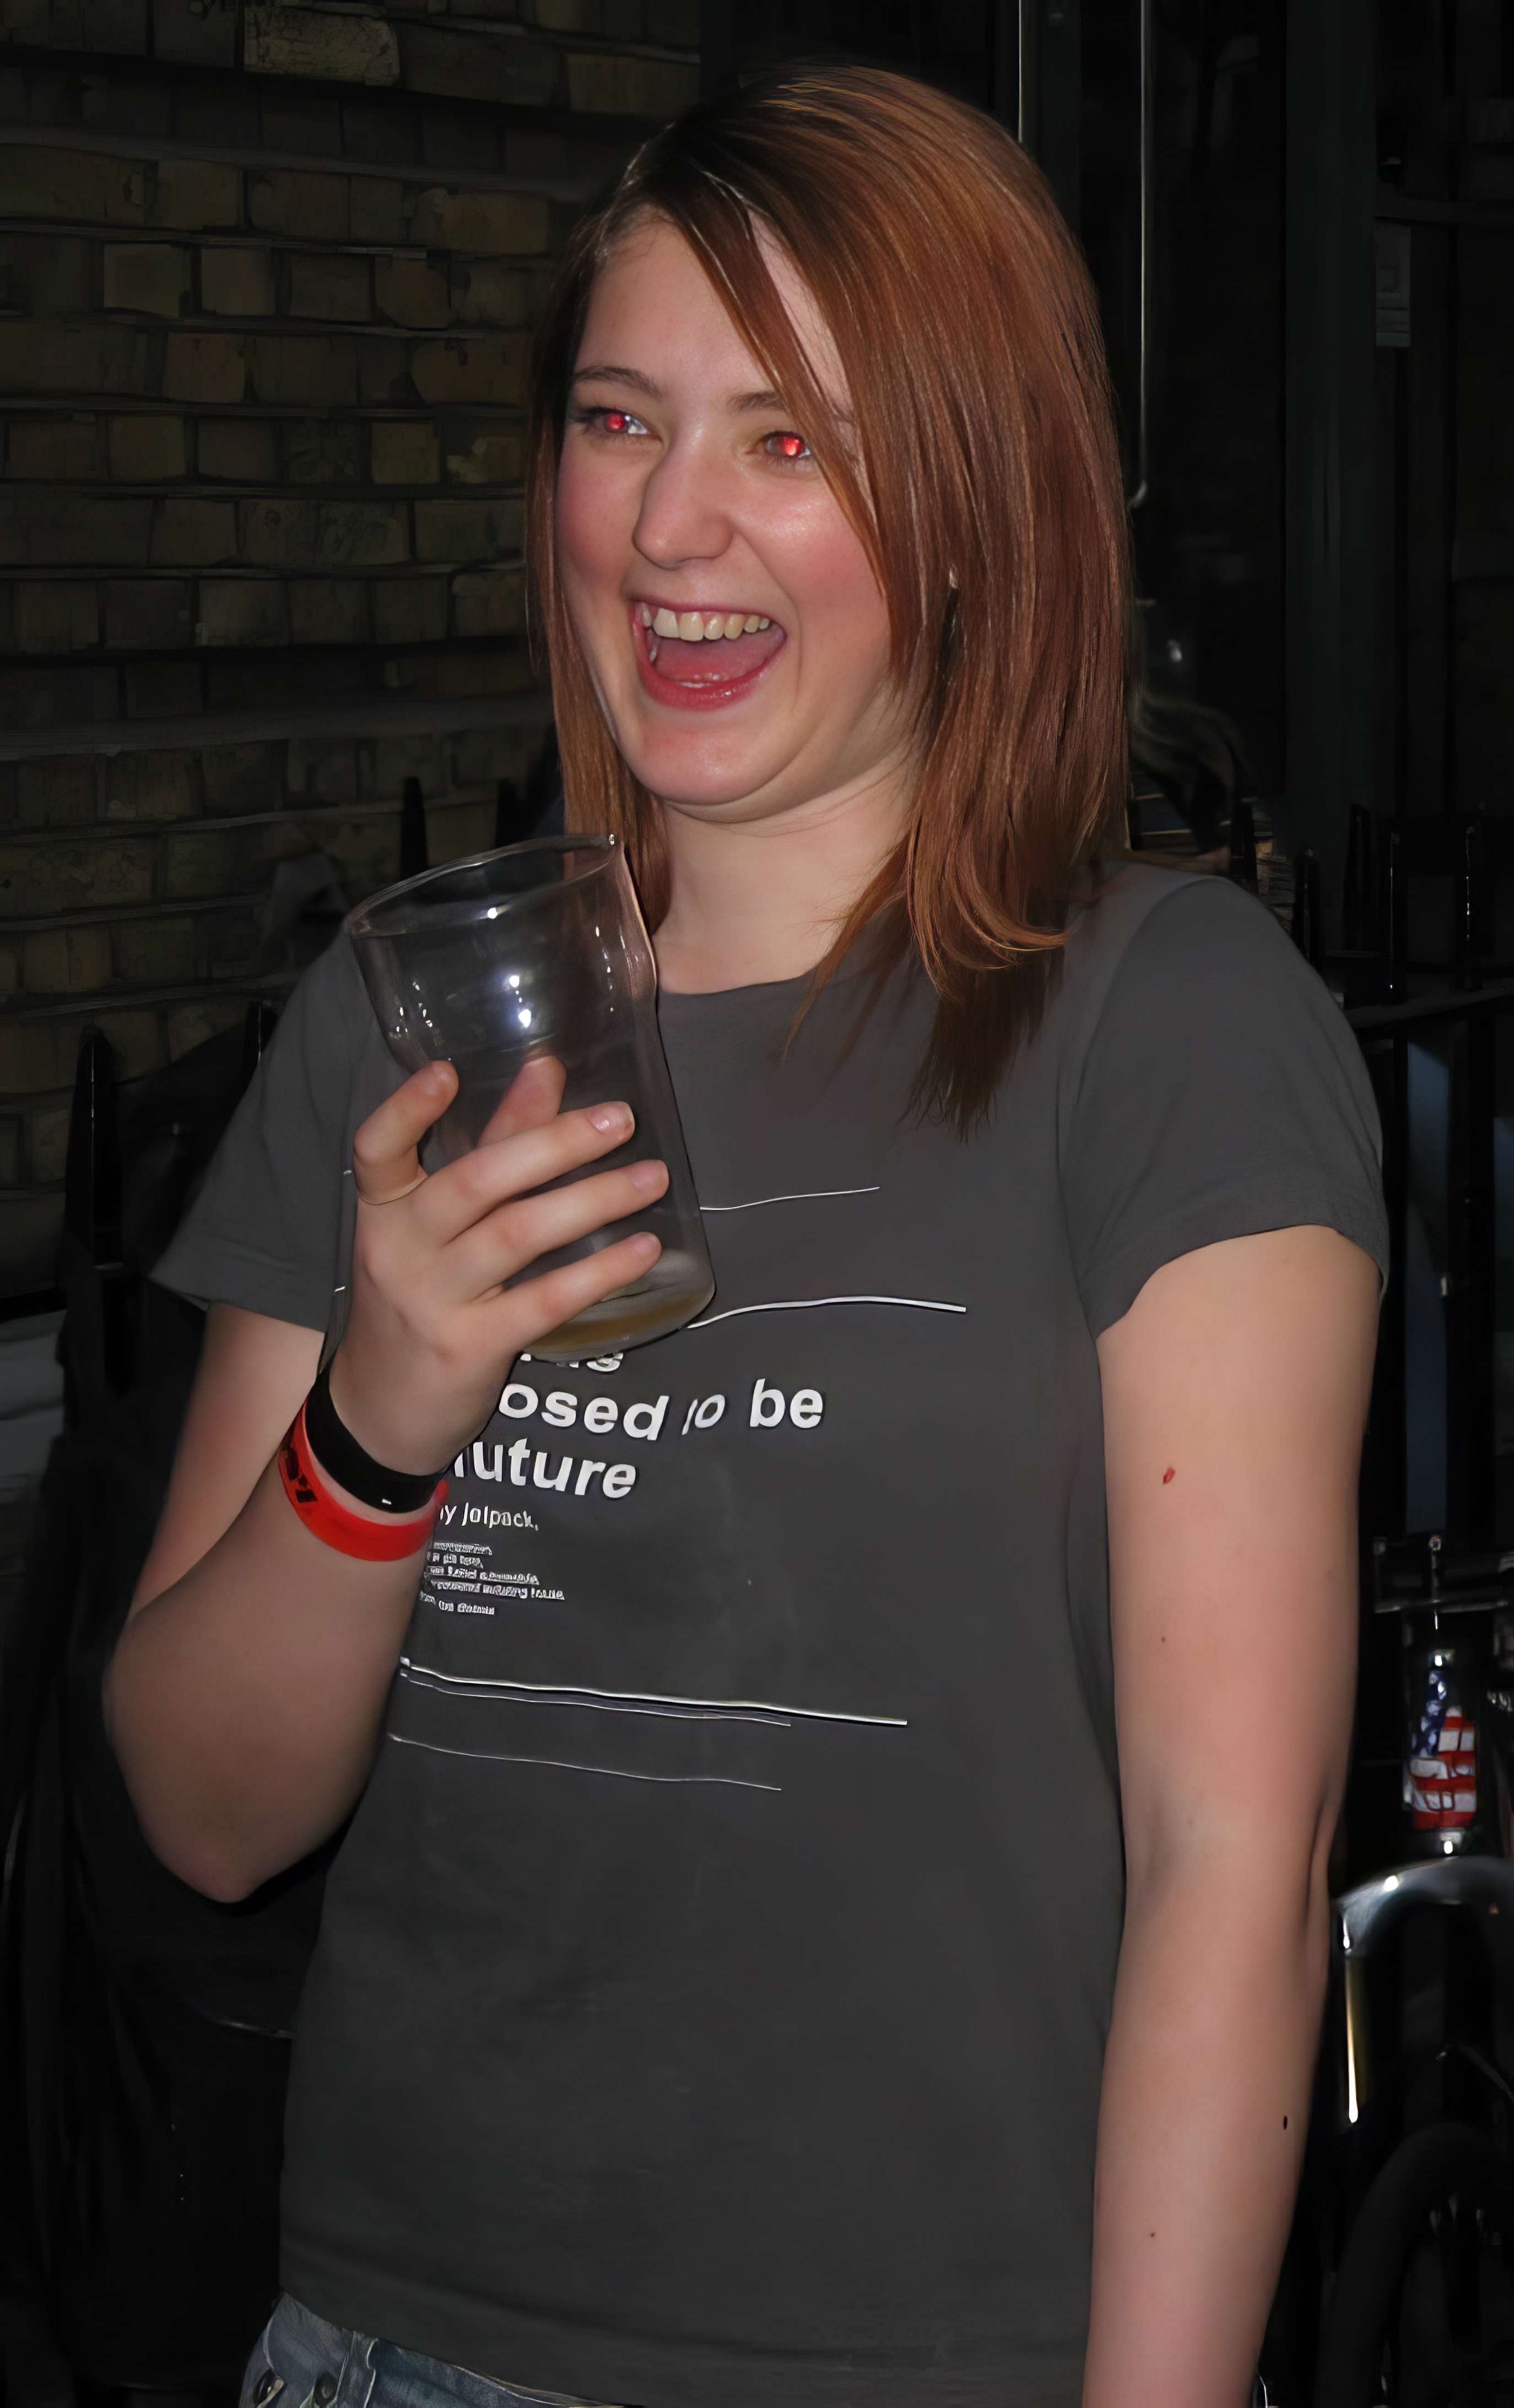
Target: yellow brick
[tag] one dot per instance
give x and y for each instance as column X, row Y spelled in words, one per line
column 362, row 535
column 205, row 367
column 53, row 447
column 405, row 451
column 489, row 460
column 291, row 201
column 455, row 830
column 150, row 277
column 83, row 185
column 158, row 952
column 280, row 534
column 489, row 602
column 67, row 961
column 39, row 355
column 149, row 786
column 236, row 283
column 136, row 1041
column 57, row 617
column 193, row 533
column 468, row 368
column 304, row 368
column 57, row 793
column 243, row 610
column 410, row 292
column 621, row 87
column 196, row 192
column 492, row 222
column 485, row 293
column 36, row 1055
column 48, row 1143
column 40, row 878
column 305, row 42
column 376, row 204
column 240, row 449
column 328, row 611
column 147, row 451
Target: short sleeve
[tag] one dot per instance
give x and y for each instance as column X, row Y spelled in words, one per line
column 1221, row 1093
column 265, row 1231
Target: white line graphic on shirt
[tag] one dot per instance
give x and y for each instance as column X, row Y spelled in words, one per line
column 538, row 1693
column 805, row 1196
column 611, row 1772
column 810, row 1303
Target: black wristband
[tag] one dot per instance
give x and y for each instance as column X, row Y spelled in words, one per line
column 352, row 1467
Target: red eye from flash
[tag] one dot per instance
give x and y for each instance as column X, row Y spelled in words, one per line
column 792, row 445
column 617, row 422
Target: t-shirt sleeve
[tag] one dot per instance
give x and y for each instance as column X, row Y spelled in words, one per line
column 1223, row 1094
column 264, row 1231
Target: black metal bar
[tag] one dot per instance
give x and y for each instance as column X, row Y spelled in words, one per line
column 1307, row 929
column 414, row 846
column 508, row 814
column 257, row 1027
column 1368, row 1018
column 1467, row 934
column 1471, row 1436
column 1242, row 844
column 91, row 1169
column 1357, row 931
column 1395, row 914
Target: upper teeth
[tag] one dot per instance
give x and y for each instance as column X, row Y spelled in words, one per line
column 702, row 626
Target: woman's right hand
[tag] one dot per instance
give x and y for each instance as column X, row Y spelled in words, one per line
column 433, row 1329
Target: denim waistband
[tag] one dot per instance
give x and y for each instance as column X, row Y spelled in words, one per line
column 301, row 2361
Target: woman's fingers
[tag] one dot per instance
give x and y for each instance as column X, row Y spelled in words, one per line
column 386, row 1160
column 527, row 1312
column 469, row 1189
column 534, row 1095
column 521, row 1231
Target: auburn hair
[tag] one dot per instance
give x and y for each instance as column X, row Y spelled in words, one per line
column 981, row 472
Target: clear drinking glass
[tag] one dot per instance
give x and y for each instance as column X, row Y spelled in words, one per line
column 539, row 951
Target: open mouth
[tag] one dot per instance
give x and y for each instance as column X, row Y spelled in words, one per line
column 697, row 658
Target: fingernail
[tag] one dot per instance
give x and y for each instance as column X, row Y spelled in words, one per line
column 610, row 1116
column 648, row 1175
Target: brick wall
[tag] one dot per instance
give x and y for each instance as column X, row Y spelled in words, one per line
column 266, row 279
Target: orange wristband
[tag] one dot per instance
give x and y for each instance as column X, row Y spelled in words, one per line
column 335, row 1523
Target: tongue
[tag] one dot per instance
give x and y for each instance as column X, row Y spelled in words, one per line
column 717, row 662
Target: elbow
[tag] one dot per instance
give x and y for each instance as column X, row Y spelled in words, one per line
column 184, row 1838
column 203, row 1860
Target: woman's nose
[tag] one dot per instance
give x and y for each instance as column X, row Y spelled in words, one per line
column 684, row 514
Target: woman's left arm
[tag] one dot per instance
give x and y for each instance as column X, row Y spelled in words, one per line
column 1235, row 1394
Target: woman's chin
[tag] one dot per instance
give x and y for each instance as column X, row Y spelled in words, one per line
column 701, row 771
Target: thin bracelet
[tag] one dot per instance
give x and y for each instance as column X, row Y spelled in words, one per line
column 335, row 1523
column 352, row 1467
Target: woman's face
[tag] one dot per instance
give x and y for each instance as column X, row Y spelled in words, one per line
column 687, row 501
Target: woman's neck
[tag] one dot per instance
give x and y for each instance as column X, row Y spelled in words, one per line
column 755, row 900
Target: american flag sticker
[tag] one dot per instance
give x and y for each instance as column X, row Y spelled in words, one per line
column 1443, row 1773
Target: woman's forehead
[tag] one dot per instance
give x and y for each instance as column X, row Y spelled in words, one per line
column 652, row 289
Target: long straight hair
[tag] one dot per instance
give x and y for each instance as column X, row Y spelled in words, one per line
column 980, row 471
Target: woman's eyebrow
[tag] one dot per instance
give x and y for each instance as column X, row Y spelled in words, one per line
column 606, row 372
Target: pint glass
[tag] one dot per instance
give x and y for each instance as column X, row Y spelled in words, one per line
column 539, row 951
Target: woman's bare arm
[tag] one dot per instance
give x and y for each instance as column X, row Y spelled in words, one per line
column 252, row 1372
column 246, row 1696
column 1235, row 1391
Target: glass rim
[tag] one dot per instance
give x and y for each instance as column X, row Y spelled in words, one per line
column 464, row 909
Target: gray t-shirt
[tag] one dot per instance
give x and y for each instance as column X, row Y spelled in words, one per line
column 711, row 1994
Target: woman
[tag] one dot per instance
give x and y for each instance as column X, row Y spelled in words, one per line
column 717, row 2002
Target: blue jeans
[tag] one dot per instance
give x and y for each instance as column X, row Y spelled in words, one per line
column 300, row 2362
